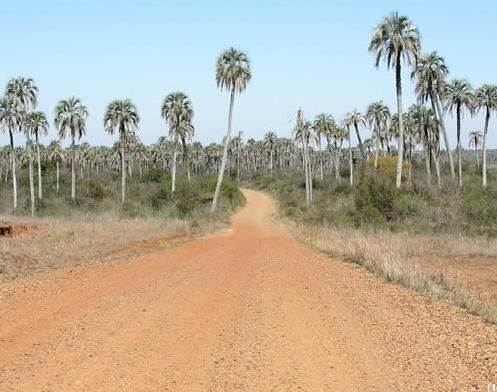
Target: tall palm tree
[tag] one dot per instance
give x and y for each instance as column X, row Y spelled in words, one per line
column 9, row 119
column 395, row 39
column 323, row 125
column 486, row 99
column 459, row 96
column 430, row 74
column 377, row 115
column 178, row 112
column 302, row 134
column 270, row 145
column 232, row 73
column 121, row 116
column 56, row 156
column 70, row 120
column 475, row 138
column 355, row 118
column 346, row 127
column 38, row 125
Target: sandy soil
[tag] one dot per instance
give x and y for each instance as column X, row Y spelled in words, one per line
column 247, row 310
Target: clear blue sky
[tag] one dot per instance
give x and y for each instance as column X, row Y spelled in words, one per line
column 310, row 54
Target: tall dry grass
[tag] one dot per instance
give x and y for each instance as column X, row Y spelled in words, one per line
column 393, row 257
column 61, row 242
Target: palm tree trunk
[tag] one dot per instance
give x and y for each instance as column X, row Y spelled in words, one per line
column 225, row 154
column 477, row 158
column 73, row 170
column 14, row 178
column 361, row 148
column 484, row 149
column 173, row 174
column 446, row 138
column 321, row 168
column 459, row 159
column 376, row 153
column 428, row 164
column 437, row 169
column 57, row 174
column 39, row 167
column 400, row 153
column 123, row 173
column 351, row 163
column 31, row 178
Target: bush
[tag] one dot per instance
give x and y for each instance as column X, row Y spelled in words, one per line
column 152, row 175
column 160, row 198
column 377, row 193
column 187, row 197
column 479, row 207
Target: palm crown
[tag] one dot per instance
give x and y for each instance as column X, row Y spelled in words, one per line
column 121, row 115
column 233, row 70
column 70, row 118
column 395, row 39
column 430, row 74
column 178, row 112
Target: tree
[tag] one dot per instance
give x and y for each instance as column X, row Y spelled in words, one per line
column 377, row 115
column 323, row 125
column 354, row 118
column 475, row 138
column 346, row 126
column 56, row 156
column 178, row 112
column 232, row 73
column 458, row 96
column 430, row 74
column 121, row 116
column 485, row 99
column 70, row 120
column 395, row 39
column 269, row 147
column 302, row 134
column 38, row 125
column 9, row 119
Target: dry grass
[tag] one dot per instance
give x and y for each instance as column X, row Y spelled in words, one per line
column 394, row 257
column 62, row 242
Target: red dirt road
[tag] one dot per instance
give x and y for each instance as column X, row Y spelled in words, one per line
column 247, row 310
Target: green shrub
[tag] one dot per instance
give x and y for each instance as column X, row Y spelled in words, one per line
column 378, row 193
column 160, row 198
column 480, row 207
column 152, row 175
column 187, row 197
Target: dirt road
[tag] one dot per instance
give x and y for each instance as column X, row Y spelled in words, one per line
column 247, row 310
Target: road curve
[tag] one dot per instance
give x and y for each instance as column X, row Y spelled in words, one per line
column 247, row 310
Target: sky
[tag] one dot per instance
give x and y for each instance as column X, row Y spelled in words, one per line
column 303, row 54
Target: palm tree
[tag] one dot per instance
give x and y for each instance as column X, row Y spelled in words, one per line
column 56, row 156
column 430, row 74
column 302, row 134
column 346, row 131
column 9, row 119
column 70, row 120
column 485, row 98
column 395, row 39
column 377, row 115
column 178, row 112
column 475, row 138
column 269, row 145
column 121, row 116
column 232, row 73
column 323, row 125
column 354, row 118
column 38, row 125
column 459, row 96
